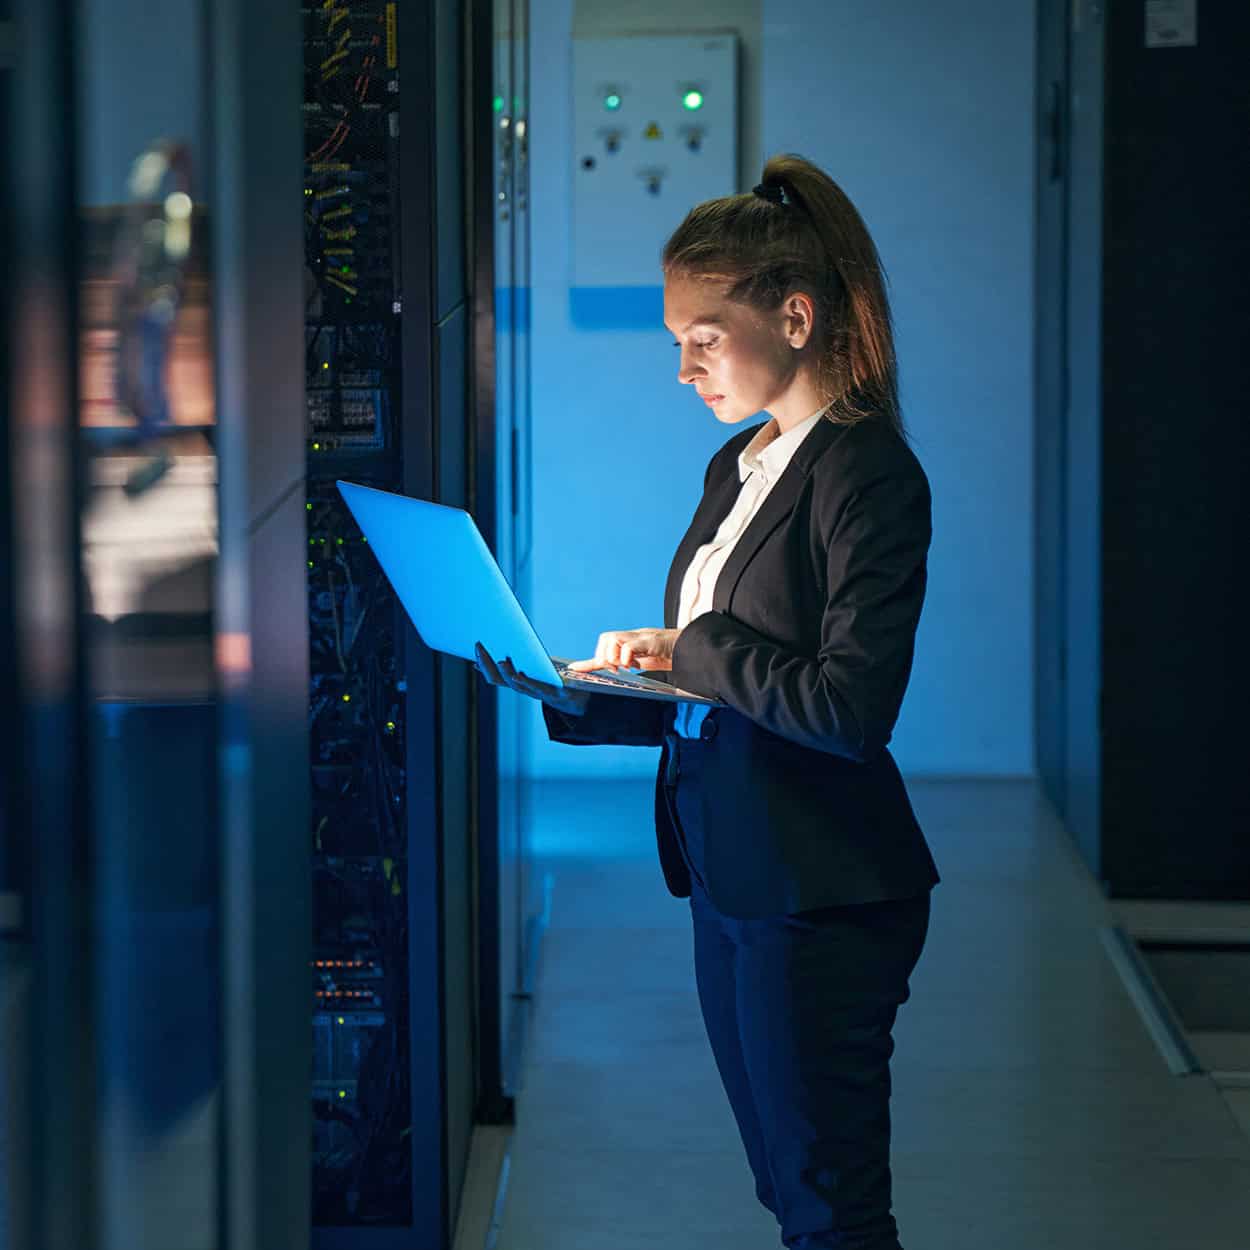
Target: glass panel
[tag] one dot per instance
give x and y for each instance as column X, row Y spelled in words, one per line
column 521, row 289
column 531, row 895
column 511, row 311
column 149, row 529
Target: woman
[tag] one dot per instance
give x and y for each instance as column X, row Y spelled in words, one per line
column 794, row 597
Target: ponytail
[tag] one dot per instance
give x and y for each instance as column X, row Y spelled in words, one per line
column 798, row 231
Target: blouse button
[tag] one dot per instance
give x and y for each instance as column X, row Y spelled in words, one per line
column 707, row 731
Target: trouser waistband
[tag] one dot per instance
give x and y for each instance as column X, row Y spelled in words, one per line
column 679, row 748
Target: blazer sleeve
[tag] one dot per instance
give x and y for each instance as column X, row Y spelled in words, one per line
column 846, row 699
column 609, row 719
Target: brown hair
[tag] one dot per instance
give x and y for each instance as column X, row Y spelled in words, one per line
column 799, row 232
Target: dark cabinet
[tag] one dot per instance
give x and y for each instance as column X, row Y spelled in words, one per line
column 1143, row 446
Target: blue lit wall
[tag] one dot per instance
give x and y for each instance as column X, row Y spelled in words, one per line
column 926, row 120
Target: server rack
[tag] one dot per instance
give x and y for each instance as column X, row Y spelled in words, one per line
column 397, row 873
column 1143, row 176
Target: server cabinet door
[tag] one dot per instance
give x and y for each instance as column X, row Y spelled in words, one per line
column 1050, row 396
column 509, row 134
column 1083, row 457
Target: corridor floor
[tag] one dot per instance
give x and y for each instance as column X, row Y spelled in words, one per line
column 1031, row 1109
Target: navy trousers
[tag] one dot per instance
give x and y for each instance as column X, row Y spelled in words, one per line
column 799, row 1011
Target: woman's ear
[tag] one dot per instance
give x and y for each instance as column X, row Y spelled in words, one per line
column 800, row 314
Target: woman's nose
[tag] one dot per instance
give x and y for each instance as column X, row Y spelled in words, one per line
column 686, row 371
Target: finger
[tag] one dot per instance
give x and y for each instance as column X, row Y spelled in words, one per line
column 531, row 685
column 535, row 688
column 528, row 689
column 587, row 666
column 608, row 651
column 487, row 666
column 516, row 681
column 525, row 683
column 602, row 651
column 519, row 681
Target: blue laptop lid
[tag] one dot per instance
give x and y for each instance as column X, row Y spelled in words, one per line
column 454, row 592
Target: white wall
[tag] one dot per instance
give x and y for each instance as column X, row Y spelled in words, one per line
column 924, row 115
column 594, row 19
column 619, row 446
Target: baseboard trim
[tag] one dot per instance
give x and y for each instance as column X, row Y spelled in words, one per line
column 485, row 1188
column 1151, row 1003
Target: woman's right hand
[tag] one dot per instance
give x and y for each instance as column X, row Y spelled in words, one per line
column 561, row 698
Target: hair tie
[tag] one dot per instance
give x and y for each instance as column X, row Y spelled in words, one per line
column 773, row 192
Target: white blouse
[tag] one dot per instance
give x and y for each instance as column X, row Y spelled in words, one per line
column 760, row 464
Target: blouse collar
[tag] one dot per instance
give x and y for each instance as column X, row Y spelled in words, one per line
column 768, row 452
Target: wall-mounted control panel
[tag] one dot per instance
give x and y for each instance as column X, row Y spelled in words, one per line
column 655, row 131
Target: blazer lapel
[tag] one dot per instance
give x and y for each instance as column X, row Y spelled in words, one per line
column 712, row 510
column 777, row 505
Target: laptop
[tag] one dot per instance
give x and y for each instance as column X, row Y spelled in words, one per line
column 456, row 595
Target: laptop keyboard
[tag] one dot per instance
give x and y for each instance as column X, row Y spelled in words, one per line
column 597, row 678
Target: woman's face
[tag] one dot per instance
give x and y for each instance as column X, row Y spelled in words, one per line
column 741, row 361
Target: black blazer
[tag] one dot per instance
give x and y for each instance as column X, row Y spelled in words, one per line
column 809, row 643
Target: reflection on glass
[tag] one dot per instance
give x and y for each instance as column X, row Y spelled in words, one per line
column 517, row 885
column 149, row 532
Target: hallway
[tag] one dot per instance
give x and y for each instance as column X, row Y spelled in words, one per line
column 1032, row 1110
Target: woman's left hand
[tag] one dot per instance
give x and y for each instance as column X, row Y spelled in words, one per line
column 632, row 648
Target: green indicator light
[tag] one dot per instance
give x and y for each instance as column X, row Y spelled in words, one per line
column 499, row 104
column 339, row 541
column 341, row 1020
column 611, row 101
column 692, row 100
column 342, row 1093
column 312, row 542
column 308, row 506
column 347, row 698
column 311, row 565
column 390, row 726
